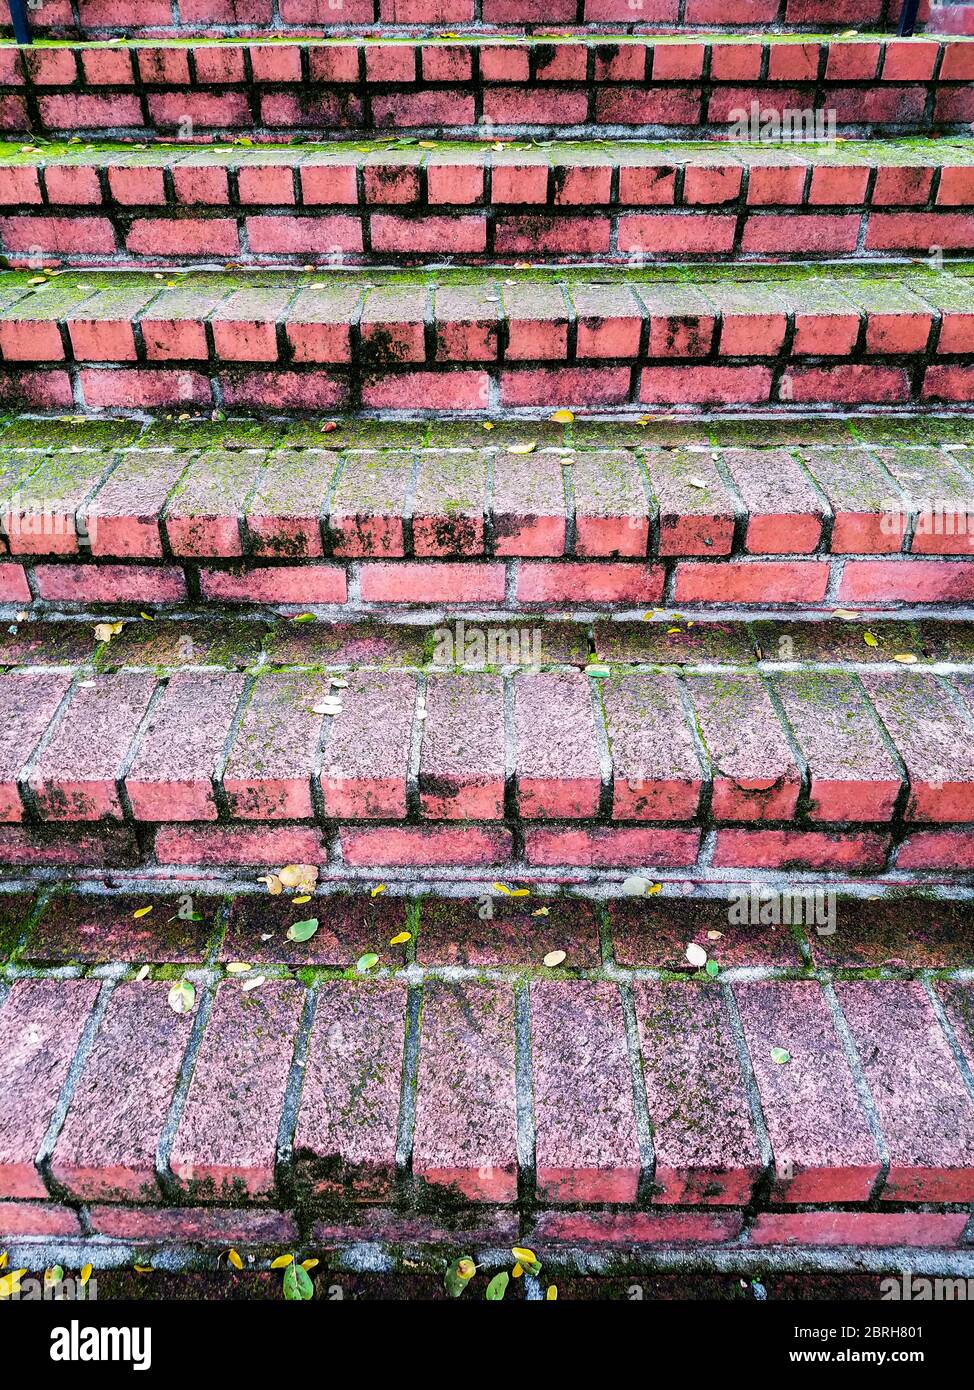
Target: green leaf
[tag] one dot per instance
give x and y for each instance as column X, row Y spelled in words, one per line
column 712, row 968
column 366, row 962
column 458, row 1275
column 497, row 1287
column 298, row 1287
column 182, row 997
column 781, row 1055
column 302, row 931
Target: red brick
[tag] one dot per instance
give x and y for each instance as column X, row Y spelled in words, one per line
column 130, row 389
column 78, row 186
column 432, row 582
column 112, row 584
column 937, row 849
column 655, row 767
column 43, row 1021
column 646, row 185
column 636, row 1228
column 412, row 846
column 907, row 581
column 953, row 231
column 664, row 232
column 586, row 1148
column 775, row 184
column 692, row 1072
column 612, row 847
column 580, row 583
column 758, row 581
column 850, row 384
column 800, row 849
column 839, row 185
column 462, row 764
column 820, row 233
column 704, row 385
column 223, row 844
column 556, row 753
column 718, row 184
column 823, row 1148
column 107, row 1147
column 227, row 1135
column 859, row 1229
column 926, row 1117
column 555, row 386
column 902, row 186
column 466, row 1114
column 347, row 1127
column 37, row 1219
column 366, row 757
column 220, row 1226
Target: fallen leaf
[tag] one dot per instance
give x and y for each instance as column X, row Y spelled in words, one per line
column 523, row 1255
column 10, row 1283
column 697, row 482
column 380, row 888
column 309, row 1264
column 282, row 1261
column 104, row 632
column 85, row 1275
column 870, row 640
column 551, row 1293
column 905, row 658
column 54, row 1275
column 563, row 417
column 540, row 912
column 182, row 997
column 144, row 972
column 235, row 1259
column 298, row 1287
column 400, row 938
column 635, row 886
column 239, row 967
column 497, row 1287
column 696, row 955
column 255, row 983
column 522, row 448
column 274, row 884
column 781, row 1055
column 302, row 931
column 715, row 936
column 366, row 962
column 304, row 898
column 554, row 958
column 847, row 613
column 303, row 876
column 142, row 912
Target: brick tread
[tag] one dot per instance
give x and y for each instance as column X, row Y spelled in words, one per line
column 379, row 529
column 285, row 205
column 653, row 84
column 741, row 1132
column 470, row 341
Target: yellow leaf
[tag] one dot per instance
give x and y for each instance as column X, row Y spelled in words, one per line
column 148, row 617
column 380, row 888
column 516, row 1272
column 466, row 1269
column 905, row 658
column 298, row 875
column 304, row 898
column 238, row 967
column 85, row 1275
column 551, row 1295
column 282, row 1262
column 235, row 1259
column 10, row 1283
column 3, row 1259
column 563, row 417
column 522, row 448
column 487, row 425
column 523, row 1255
column 672, row 630
column 309, row 1264
column 255, row 983
column 501, row 888
column 274, row 885
column 552, row 959
column 540, row 912
column 142, row 1269
column 104, row 632
column 400, row 938
column 870, row 640
column 846, row 613
column 653, row 889
column 142, row 912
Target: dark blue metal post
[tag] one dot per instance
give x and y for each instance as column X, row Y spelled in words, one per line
column 908, row 18
column 18, row 17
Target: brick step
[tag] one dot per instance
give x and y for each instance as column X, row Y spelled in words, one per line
column 319, row 1096
column 376, row 530
column 829, row 766
column 263, row 19
column 494, row 87
column 621, row 201
column 479, row 341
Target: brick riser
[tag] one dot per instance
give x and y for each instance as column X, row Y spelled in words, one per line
column 537, row 1096
column 154, row 18
column 182, row 207
column 351, row 342
column 532, row 88
column 372, row 533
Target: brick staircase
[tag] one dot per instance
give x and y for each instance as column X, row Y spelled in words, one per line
column 506, row 474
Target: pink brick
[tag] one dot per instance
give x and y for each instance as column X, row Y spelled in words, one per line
column 452, row 390
column 387, row 847
column 695, row 234
column 860, row 1229
column 800, row 849
column 554, row 386
column 37, row 1219
column 43, row 1021
column 110, row 583
column 462, row 764
column 557, row 776
column 586, row 1148
column 432, row 582
column 577, row 582
column 761, row 581
column 600, row 1228
column 266, row 845
column 366, row 757
column 612, row 847
column 281, row 584
column 704, row 385
column 107, row 1147
column 227, row 1135
column 220, row 1226
column 131, row 388
column 466, row 1116
column 163, row 236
